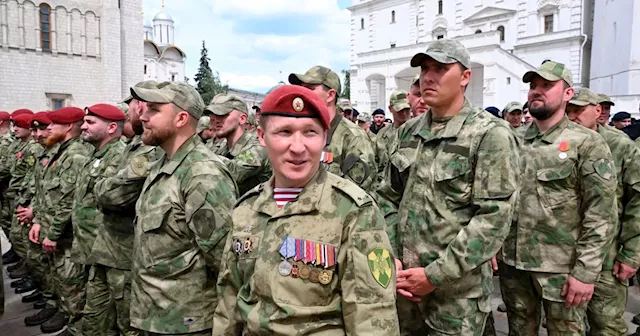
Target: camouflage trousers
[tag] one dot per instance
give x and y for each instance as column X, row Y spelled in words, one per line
column 106, row 312
column 410, row 318
column 607, row 306
column 69, row 283
column 1, row 284
column 6, row 211
column 523, row 294
column 489, row 327
column 39, row 266
column 455, row 316
column 19, row 236
column 197, row 333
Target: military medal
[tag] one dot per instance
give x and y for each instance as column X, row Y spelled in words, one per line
column 314, row 275
column 295, row 271
column 284, row 268
column 563, row 147
column 325, row 277
column 237, row 246
column 248, row 245
column 304, row 272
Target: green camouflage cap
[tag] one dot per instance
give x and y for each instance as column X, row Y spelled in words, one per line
column 364, row 116
column 398, row 100
column 445, row 51
column 203, row 124
column 124, row 108
column 513, row 106
column 251, row 117
column 317, row 75
column 223, row 104
column 181, row 95
column 150, row 84
column 551, row 71
column 604, row 99
column 584, row 97
column 416, row 80
column 345, row 105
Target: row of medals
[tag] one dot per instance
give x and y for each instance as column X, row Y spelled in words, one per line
column 305, row 272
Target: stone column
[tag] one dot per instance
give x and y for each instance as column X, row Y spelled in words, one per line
column 37, row 30
column 83, row 34
column 21, row 36
column 69, row 36
column 4, row 28
column 54, row 32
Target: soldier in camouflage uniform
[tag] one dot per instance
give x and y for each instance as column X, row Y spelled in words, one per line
column 102, row 128
column 414, row 98
column 203, row 129
column 248, row 161
column 116, row 196
column 348, row 152
column 52, row 220
column 387, row 136
column 451, row 188
column 344, row 283
column 512, row 113
column 183, row 217
column 606, row 103
column 608, row 304
column 364, row 121
column 566, row 215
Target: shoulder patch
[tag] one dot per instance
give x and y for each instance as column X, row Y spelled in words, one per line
column 381, row 266
column 349, row 188
column 604, row 168
column 140, row 165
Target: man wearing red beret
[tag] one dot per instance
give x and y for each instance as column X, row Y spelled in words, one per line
column 95, row 238
column 292, row 231
column 53, row 219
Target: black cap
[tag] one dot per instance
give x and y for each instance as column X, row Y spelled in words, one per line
column 377, row 111
column 621, row 116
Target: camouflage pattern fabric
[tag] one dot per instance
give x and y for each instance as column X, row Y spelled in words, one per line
column 184, row 215
column 410, row 318
column 605, row 312
column 357, row 299
column 449, row 199
column 248, row 163
column 567, row 211
column 385, row 140
column 69, row 283
column 353, row 154
column 218, row 146
column 6, row 211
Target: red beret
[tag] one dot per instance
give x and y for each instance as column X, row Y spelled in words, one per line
column 4, row 116
column 22, row 120
column 106, row 111
column 40, row 119
column 66, row 115
column 295, row 101
column 20, row 111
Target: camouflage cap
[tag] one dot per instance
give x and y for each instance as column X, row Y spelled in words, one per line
column 124, row 108
column 445, row 51
column 181, row 95
column 551, row 71
column 150, row 84
column 416, row 80
column 345, row 105
column 604, row 99
column 317, row 75
column 203, row 124
column 584, row 97
column 251, row 117
column 364, row 117
column 513, row 106
column 223, row 104
column 398, row 100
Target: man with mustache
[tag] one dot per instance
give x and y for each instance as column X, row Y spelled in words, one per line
column 52, row 221
column 117, row 195
column 566, row 217
column 183, row 217
column 450, row 192
column 607, row 307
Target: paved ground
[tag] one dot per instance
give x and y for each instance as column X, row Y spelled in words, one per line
column 15, row 311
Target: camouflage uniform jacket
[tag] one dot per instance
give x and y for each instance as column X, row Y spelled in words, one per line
column 183, row 217
column 218, row 146
column 354, row 157
column 567, row 207
column 248, row 162
column 384, row 144
column 23, row 170
column 59, row 184
column 8, row 158
column 626, row 156
column 38, row 175
column 5, row 143
column 258, row 300
column 87, row 218
column 116, row 197
column 455, row 193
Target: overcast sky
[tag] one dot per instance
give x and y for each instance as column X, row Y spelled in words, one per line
column 253, row 44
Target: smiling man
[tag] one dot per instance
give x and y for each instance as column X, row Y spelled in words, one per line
column 315, row 241
column 450, row 192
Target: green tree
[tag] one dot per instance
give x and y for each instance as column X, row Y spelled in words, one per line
column 208, row 84
column 346, row 91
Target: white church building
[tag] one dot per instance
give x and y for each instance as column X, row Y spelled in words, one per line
column 163, row 60
column 599, row 40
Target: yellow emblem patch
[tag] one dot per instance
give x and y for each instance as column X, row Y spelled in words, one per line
column 381, row 266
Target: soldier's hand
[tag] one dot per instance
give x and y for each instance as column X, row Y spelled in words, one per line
column 416, row 283
column 34, row 233
column 623, row 271
column 49, row 246
column 576, row 293
column 25, row 215
column 494, row 264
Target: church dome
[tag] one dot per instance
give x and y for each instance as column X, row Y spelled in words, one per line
column 163, row 16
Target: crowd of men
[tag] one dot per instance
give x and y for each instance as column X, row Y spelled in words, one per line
column 168, row 216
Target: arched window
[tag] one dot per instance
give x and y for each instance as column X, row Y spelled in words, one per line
column 361, row 23
column 439, row 6
column 45, row 27
column 393, row 16
column 478, row 31
column 501, row 30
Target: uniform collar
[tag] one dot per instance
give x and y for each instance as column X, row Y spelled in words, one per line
column 102, row 151
column 240, row 144
column 173, row 163
column 551, row 134
column 334, row 125
column 451, row 130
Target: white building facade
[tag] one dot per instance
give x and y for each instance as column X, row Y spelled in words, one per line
column 68, row 52
column 163, row 60
column 505, row 38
